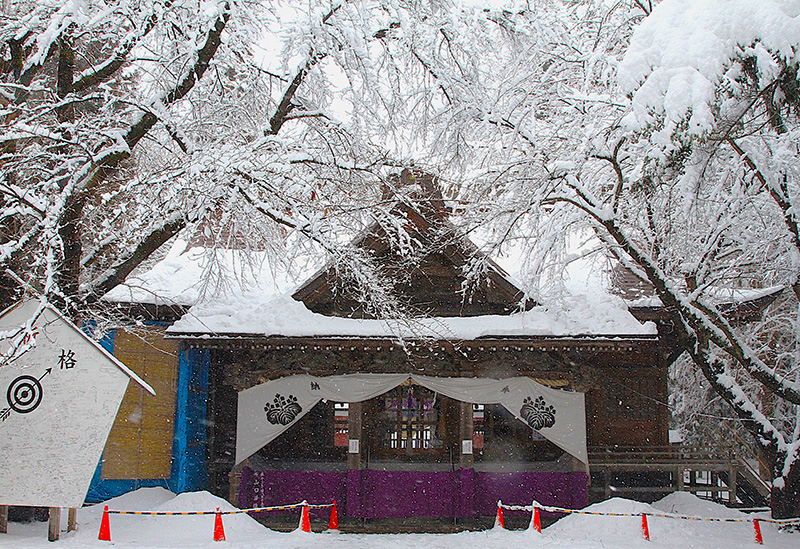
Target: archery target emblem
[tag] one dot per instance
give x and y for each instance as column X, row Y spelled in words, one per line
column 24, row 394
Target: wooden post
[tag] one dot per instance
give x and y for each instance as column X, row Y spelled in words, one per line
column 355, row 438
column 714, row 482
column 679, row 480
column 467, row 460
column 234, row 480
column 354, row 434
column 732, row 484
column 72, row 519
column 55, row 524
column 3, row 519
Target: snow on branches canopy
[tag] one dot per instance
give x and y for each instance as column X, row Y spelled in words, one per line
column 681, row 59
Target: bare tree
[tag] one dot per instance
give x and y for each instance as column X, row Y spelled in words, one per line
column 125, row 123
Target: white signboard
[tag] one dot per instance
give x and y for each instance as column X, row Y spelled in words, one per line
column 58, row 400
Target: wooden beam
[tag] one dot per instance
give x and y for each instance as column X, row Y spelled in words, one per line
column 3, row 519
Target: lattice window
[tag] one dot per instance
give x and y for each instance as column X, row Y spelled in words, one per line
column 341, row 414
column 407, row 421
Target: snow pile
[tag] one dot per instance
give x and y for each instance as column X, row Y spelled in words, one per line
column 611, row 531
column 165, row 531
column 143, row 499
column 603, row 527
column 684, row 503
column 281, row 315
column 151, row 529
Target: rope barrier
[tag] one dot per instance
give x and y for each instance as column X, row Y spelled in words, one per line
column 234, row 512
column 219, row 531
column 534, row 507
column 551, row 509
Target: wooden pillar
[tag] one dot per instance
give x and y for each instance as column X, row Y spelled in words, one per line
column 732, row 484
column 466, row 502
column 679, row 479
column 354, row 475
column 713, row 480
column 234, row 480
column 467, row 460
column 72, row 519
column 55, row 524
column 3, row 519
column 354, row 428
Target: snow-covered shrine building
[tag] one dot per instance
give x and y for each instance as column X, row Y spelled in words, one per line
column 478, row 402
column 282, row 398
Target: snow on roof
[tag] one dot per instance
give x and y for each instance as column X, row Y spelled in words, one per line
column 183, row 277
column 280, row 315
column 719, row 295
column 258, row 303
column 254, row 300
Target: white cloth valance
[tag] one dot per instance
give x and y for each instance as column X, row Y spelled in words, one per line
column 267, row 410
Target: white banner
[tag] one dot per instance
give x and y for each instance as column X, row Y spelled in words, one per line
column 267, row 410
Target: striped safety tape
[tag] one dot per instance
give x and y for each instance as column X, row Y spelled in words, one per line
column 234, row 512
column 550, row 509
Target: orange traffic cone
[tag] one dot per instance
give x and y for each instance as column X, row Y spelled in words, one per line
column 757, row 526
column 219, row 531
column 334, row 522
column 105, row 527
column 305, row 522
column 645, row 530
column 498, row 521
column 536, row 523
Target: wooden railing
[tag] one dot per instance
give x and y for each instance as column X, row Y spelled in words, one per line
column 700, row 469
column 660, row 455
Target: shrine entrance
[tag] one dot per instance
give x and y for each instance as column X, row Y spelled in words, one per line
column 410, row 445
column 411, row 423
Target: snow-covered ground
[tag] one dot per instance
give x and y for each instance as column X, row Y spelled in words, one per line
column 573, row 532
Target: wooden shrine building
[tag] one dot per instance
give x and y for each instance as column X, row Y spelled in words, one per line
column 419, row 448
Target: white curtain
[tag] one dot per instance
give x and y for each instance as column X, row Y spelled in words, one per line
column 267, row 410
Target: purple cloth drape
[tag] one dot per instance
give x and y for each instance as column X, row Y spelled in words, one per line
column 399, row 494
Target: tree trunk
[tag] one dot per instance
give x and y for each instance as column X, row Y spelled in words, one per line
column 785, row 501
column 70, row 233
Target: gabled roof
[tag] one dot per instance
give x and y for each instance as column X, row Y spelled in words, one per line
column 737, row 305
column 431, row 285
column 434, row 283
